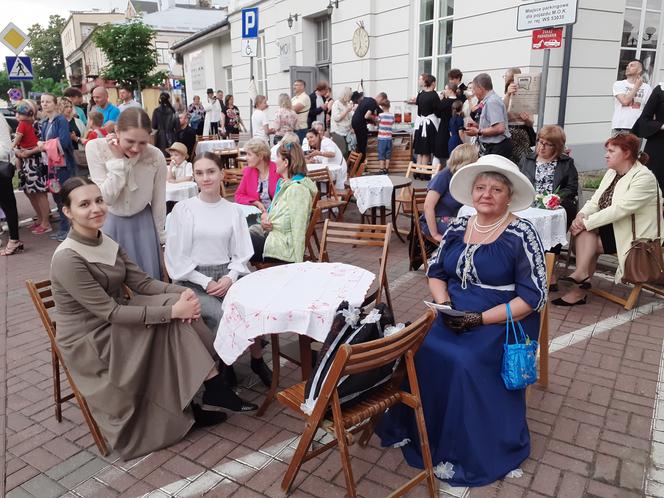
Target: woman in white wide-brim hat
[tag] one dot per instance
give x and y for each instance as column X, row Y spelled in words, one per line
column 484, row 262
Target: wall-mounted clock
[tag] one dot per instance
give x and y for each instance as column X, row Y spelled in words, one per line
column 361, row 40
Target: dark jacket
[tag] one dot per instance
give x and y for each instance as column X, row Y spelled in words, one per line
column 313, row 110
column 565, row 181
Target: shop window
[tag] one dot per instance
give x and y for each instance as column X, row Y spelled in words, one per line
column 640, row 35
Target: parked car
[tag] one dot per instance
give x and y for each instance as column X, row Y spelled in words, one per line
column 10, row 116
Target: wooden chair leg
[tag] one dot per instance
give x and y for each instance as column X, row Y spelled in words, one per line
column 544, row 349
column 92, row 425
column 421, row 425
column 276, row 368
column 57, row 395
column 633, row 297
column 628, row 303
column 388, row 297
column 298, row 457
column 343, row 446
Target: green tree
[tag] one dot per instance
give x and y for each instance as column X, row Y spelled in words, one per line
column 131, row 54
column 45, row 49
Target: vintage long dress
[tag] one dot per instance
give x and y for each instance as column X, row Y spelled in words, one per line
column 137, row 369
column 477, row 429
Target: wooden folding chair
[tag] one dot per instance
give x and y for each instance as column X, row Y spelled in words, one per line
column 330, row 199
column 544, row 328
column 355, row 164
column 361, row 235
column 232, row 178
column 404, row 196
column 42, row 298
column 417, row 237
column 363, row 416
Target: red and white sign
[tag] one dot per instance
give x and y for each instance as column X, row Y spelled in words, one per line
column 547, row 38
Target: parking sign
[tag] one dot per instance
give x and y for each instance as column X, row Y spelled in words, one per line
column 250, row 23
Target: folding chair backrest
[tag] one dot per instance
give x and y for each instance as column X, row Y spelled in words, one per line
column 419, row 195
column 322, row 176
column 355, row 234
column 424, row 169
column 42, row 297
column 354, row 160
column 310, row 236
column 205, row 138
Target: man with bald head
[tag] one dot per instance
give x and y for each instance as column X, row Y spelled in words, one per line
column 109, row 111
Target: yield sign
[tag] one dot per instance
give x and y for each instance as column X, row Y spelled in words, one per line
column 13, row 38
column 19, row 68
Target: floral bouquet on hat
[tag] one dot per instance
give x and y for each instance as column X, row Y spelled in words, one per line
column 549, row 201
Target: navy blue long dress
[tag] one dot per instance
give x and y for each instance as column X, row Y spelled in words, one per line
column 477, row 428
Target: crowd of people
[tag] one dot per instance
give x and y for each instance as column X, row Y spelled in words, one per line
column 490, row 266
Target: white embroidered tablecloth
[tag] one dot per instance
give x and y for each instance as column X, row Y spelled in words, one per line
column 299, row 297
column 181, row 191
column 211, row 145
column 248, row 210
column 338, row 173
column 372, row 191
column 550, row 224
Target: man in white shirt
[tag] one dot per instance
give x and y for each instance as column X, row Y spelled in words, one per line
column 301, row 104
column 127, row 97
column 213, row 116
column 631, row 94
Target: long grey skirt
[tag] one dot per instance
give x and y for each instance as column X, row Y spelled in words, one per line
column 210, row 305
column 137, row 235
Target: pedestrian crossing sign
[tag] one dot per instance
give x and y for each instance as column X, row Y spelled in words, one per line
column 19, row 68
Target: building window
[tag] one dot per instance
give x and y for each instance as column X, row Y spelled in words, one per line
column 228, row 70
column 435, row 38
column 323, row 47
column 260, row 69
column 86, row 29
column 163, row 55
column 640, row 35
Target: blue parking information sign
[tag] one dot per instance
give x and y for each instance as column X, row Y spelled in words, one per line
column 250, row 23
column 19, row 68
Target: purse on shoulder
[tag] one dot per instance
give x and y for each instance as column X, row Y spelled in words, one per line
column 645, row 261
column 7, row 170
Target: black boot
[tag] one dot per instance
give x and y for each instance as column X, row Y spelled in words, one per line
column 205, row 418
column 260, row 368
column 218, row 395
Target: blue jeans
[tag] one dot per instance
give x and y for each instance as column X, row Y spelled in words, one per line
column 301, row 134
column 63, row 174
column 384, row 149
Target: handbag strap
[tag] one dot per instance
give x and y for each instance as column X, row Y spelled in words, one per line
column 658, row 214
column 510, row 321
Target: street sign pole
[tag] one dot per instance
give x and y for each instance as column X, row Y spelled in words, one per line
column 542, row 92
column 250, row 32
column 23, row 90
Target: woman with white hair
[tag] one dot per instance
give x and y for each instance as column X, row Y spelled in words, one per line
column 342, row 113
column 285, row 118
column 476, row 427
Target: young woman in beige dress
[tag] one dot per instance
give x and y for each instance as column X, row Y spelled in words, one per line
column 138, row 362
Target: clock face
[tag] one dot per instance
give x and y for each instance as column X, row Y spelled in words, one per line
column 361, row 42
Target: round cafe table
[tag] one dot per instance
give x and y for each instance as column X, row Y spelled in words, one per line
column 180, row 191
column 211, row 145
column 375, row 191
column 550, row 224
column 298, row 297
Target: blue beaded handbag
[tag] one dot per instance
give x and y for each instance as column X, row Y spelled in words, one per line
column 520, row 358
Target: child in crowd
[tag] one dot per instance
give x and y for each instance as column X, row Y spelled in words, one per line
column 385, row 130
column 457, row 134
column 95, row 127
column 179, row 169
column 26, row 137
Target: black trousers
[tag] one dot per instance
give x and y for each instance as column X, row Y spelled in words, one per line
column 362, row 135
column 214, row 127
column 503, row 148
column 8, row 205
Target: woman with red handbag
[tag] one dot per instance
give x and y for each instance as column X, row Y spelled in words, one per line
column 55, row 126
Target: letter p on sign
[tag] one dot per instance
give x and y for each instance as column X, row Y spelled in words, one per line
column 250, row 23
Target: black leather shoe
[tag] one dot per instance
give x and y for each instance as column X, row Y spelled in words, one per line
column 218, row 395
column 260, row 368
column 561, row 302
column 205, row 418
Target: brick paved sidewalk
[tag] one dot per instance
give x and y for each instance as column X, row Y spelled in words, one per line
column 593, row 431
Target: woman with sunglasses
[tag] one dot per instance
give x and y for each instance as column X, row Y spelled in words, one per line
column 551, row 171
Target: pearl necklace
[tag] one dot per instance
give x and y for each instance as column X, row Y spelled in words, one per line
column 467, row 256
column 489, row 228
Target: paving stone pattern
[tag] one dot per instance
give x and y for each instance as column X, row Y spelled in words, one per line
column 591, row 429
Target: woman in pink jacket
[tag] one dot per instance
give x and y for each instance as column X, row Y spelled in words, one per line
column 259, row 178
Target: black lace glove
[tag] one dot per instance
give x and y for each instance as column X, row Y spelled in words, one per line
column 461, row 324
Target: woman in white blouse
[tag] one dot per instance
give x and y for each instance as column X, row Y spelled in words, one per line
column 131, row 175
column 208, row 247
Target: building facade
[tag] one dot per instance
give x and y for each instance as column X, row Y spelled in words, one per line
column 314, row 39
